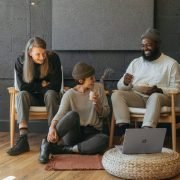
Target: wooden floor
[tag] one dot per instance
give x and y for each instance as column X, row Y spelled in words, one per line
column 27, row 167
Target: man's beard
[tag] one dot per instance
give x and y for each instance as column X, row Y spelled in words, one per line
column 153, row 55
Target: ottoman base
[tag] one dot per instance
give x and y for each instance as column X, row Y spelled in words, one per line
column 142, row 166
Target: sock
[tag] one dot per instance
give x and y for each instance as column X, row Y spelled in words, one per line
column 23, row 131
column 75, row 149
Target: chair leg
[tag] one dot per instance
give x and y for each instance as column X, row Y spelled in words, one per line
column 173, row 129
column 173, row 138
column 12, row 121
column 112, row 131
column 12, row 131
column 173, row 117
column 136, row 124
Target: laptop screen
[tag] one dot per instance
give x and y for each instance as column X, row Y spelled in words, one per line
column 142, row 141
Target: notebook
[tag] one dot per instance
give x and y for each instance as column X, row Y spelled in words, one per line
column 142, row 141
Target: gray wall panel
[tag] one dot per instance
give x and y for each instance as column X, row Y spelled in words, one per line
column 100, row 24
column 168, row 22
column 13, row 33
column 101, row 60
column 41, row 20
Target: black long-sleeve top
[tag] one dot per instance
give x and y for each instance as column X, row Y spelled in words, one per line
column 54, row 76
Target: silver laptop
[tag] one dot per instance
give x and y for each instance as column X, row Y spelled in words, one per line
column 142, row 141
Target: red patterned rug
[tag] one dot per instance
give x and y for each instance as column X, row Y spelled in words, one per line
column 74, row 162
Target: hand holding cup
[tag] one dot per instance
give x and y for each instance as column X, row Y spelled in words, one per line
column 93, row 96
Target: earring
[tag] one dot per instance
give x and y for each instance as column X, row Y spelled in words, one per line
column 81, row 81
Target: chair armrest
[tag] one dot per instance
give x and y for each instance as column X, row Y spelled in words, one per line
column 12, row 93
column 12, row 90
column 173, row 91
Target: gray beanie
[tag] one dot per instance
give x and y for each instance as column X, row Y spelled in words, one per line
column 152, row 34
column 82, row 70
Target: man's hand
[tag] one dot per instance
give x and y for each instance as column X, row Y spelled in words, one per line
column 152, row 90
column 128, row 78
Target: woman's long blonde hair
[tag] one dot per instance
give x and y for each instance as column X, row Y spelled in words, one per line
column 28, row 67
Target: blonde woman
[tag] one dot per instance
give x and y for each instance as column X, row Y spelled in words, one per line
column 39, row 76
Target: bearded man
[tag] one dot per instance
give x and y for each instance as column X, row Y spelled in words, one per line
column 145, row 83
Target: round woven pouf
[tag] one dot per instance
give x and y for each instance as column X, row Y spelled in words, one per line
column 142, row 166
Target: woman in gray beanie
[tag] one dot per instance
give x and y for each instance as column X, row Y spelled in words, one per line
column 78, row 123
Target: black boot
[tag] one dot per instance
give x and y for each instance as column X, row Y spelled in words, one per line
column 61, row 149
column 121, row 128
column 20, row 147
column 44, row 151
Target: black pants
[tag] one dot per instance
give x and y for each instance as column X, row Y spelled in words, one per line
column 88, row 139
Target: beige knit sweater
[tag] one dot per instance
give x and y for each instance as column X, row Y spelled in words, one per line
column 73, row 100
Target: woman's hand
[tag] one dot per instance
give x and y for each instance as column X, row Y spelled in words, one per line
column 52, row 135
column 44, row 83
column 96, row 102
column 95, row 98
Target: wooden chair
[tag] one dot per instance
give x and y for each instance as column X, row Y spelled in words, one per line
column 168, row 115
column 35, row 113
